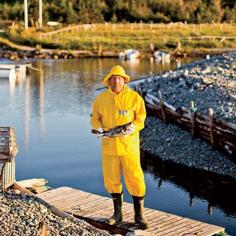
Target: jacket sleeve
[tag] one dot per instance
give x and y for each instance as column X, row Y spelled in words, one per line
column 95, row 119
column 140, row 114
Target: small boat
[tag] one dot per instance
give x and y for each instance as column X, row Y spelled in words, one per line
column 7, row 71
column 129, row 54
column 161, row 56
column 12, row 70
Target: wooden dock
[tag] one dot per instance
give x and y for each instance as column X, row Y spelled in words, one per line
column 96, row 209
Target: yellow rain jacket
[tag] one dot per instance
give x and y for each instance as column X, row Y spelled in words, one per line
column 120, row 154
column 110, row 110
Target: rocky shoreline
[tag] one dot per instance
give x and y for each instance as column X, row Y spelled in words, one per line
column 22, row 215
column 169, row 142
column 19, row 52
column 210, row 84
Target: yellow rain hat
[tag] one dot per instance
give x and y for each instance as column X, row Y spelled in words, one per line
column 116, row 70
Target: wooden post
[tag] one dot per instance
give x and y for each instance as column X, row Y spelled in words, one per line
column 210, row 117
column 26, row 13
column 192, row 114
column 140, row 91
column 100, row 49
column 162, row 106
column 141, row 25
column 210, row 210
column 40, row 14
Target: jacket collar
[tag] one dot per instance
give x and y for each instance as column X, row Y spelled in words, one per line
column 123, row 91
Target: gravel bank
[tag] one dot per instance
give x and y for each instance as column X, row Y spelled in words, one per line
column 211, row 84
column 22, row 215
column 171, row 143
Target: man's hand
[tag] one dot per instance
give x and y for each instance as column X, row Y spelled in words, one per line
column 100, row 133
column 128, row 130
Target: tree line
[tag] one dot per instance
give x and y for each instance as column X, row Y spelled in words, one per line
column 96, row 11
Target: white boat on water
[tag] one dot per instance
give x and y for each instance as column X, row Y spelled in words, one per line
column 129, row 54
column 161, row 56
column 7, row 71
column 12, row 70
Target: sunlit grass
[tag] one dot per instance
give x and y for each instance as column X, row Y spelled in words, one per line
column 140, row 36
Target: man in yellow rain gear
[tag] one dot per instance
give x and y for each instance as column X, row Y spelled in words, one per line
column 117, row 106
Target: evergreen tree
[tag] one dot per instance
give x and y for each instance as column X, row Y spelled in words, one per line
column 33, row 11
column 216, row 10
column 4, row 11
column 89, row 11
column 230, row 15
column 71, row 15
column 139, row 10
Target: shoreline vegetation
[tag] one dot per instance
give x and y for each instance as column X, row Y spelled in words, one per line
column 108, row 39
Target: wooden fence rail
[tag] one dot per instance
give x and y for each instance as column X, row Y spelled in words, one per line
column 221, row 135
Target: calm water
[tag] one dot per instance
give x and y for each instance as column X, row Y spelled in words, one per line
column 50, row 113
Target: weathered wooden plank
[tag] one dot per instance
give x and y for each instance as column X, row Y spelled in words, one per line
column 211, row 231
column 64, row 193
column 68, row 201
column 166, row 222
column 31, row 183
column 93, row 203
column 106, row 209
column 188, row 226
column 52, row 194
column 198, row 229
column 154, row 217
column 191, row 227
column 156, row 221
column 97, row 209
column 83, row 202
column 160, row 221
column 173, row 225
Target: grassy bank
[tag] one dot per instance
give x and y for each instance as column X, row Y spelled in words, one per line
column 116, row 37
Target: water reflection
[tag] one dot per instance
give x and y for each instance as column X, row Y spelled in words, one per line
column 41, row 102
column 50, row 113
column 66, row 86
column 12, row 86
column 27, row 110
column 220, row 192
column 10, row 83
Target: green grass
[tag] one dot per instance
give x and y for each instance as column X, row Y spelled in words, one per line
column 140, row 36
column 222, row 234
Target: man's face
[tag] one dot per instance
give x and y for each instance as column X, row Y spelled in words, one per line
column 116, row 83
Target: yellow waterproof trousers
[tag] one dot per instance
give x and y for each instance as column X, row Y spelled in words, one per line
column 129, row 165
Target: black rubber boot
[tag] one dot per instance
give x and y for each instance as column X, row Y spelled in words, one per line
column 117, row 202
column 138, row 210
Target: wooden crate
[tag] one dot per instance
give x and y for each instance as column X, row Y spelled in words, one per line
column 8, row 145
column 8, row 174
column 8, row 151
